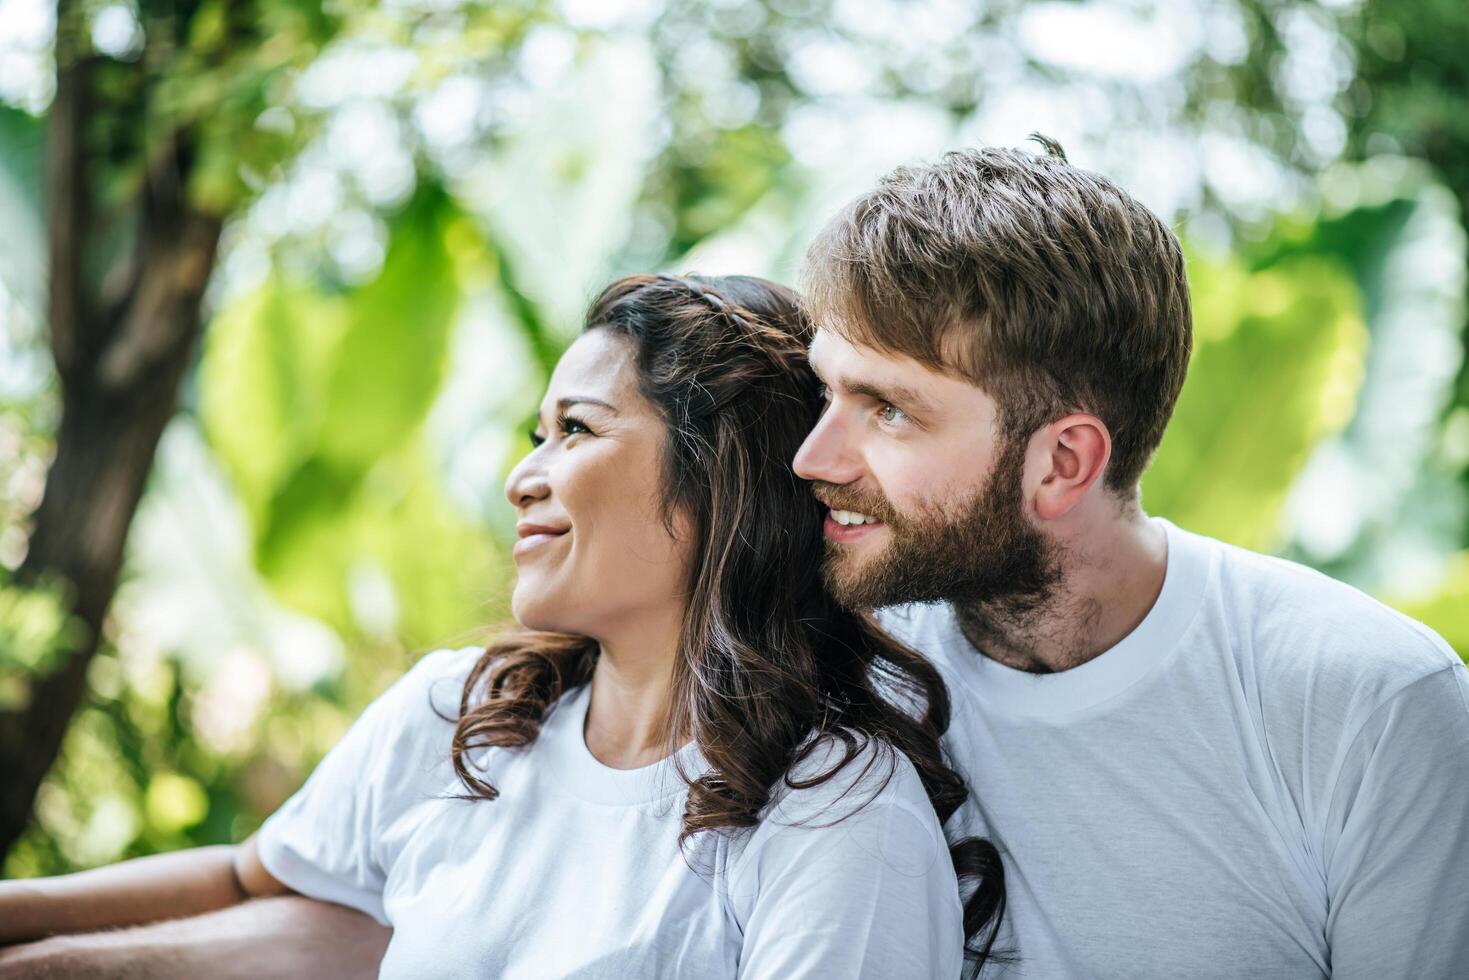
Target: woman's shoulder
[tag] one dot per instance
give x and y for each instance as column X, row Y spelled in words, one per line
column 851, row 829
column 417, row 707
column 440, row 674
column 436, row 678
column 839, row 775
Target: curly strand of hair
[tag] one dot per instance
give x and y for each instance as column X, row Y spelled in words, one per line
column 508, row 692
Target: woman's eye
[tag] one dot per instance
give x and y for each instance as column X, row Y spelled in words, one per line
column 565, row 426
column 571, row 426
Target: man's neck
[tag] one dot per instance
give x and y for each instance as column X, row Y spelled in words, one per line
column 1111, row 576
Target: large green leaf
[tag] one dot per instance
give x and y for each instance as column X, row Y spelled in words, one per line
column 1277, row 362
column 391, row 359
column 315, row 401
column 448, row 575
column 396, row 525
column 262, row 379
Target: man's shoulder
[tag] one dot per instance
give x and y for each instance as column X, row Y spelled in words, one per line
column 1297, row 628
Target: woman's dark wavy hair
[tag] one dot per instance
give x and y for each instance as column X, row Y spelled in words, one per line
column 769, row 660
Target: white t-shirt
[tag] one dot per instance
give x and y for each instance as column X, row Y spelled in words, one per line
column 575, row 870
column 1269, row 777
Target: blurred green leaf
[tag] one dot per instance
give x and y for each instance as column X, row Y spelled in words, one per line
column 1377, row 484
column 37, row 632
column 1277, row 363
column 23, row 242
column 262, row 381
column 721, row 179
column 314, row 402
column 391, row 359
column 310, row 538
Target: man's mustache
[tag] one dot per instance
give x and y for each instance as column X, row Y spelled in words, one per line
column 872, row 504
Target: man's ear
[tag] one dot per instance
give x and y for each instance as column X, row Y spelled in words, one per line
column 1073, row 453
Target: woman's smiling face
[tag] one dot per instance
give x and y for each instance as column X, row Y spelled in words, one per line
column 593, row 550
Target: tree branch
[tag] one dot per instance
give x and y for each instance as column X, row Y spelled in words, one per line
column 68, row 197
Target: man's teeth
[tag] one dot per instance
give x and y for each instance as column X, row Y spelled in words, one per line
column 851, row 517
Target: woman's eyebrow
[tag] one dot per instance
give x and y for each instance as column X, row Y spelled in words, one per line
column 570, row 400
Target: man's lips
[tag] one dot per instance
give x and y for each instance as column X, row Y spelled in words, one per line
column 835, row 530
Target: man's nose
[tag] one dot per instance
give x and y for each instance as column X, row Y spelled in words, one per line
column 826, row 455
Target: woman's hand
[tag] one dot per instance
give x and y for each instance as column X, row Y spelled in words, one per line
column 164, row 886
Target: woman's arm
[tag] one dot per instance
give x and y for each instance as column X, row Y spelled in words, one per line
column 288, row 936
column 164, row 886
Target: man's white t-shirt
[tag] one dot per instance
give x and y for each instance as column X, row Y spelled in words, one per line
column 1269, row 777
column 576, row 870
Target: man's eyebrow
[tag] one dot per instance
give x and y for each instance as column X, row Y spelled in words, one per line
column 896, row 395
column 570, row 400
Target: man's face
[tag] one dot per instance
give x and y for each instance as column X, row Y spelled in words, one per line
column 926, row 497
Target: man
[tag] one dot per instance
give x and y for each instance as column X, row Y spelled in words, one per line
column 1195, row 761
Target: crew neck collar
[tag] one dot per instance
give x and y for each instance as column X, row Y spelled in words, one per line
column 1010, row 691
column 563, row 737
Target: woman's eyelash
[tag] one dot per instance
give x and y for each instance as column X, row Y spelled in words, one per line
column 567, row 425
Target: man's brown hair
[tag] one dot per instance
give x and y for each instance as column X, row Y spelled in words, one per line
column 1047, row 286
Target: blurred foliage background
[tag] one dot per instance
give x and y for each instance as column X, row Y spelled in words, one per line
column 280, row 282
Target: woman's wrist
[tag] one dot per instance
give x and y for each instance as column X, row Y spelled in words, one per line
column 29, row 911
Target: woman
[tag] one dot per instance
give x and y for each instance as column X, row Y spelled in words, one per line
column 682, row 766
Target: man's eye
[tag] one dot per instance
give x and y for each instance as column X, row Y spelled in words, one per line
column 891, row 414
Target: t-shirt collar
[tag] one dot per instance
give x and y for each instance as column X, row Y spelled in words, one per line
column 563, row 740
column 1135, row 656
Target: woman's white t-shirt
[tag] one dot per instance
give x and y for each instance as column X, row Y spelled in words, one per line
column 576, row 869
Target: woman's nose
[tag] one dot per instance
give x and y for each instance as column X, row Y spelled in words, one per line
column 526, row 483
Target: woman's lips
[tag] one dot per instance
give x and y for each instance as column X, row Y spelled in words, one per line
column 532, row 538
column 532, row 542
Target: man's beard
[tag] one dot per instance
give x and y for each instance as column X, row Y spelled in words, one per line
column 982, row 554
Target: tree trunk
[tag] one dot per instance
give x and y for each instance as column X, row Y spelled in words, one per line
column 121, row 360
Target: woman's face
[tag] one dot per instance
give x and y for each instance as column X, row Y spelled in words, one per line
column 593, row 552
